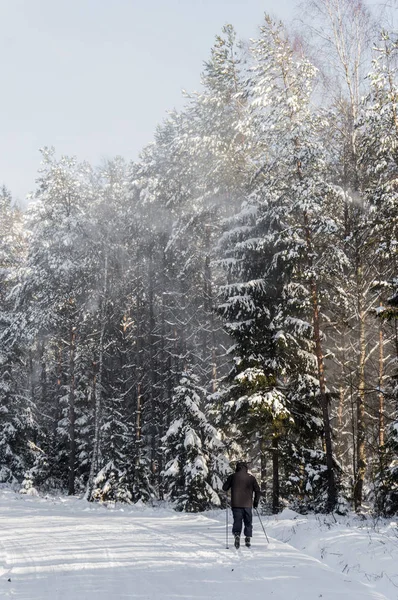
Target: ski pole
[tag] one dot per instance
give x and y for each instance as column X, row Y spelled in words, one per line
column 265, row 533
column 226, row 524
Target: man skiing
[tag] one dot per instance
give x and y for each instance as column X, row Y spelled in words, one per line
column 242, row 486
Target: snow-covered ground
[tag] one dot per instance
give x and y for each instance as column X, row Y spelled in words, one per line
column 64, row 548
column 363, row 549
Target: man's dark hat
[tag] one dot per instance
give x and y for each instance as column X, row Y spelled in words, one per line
column 241, row 464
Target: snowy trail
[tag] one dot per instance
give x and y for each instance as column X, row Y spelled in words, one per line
column 68, row 550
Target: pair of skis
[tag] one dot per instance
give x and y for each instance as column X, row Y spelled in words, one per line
column 226, row 530
column 237, row 542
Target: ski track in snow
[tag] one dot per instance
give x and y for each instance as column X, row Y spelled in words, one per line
column 66, row 549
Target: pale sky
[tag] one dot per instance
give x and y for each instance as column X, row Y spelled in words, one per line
column 94, row 77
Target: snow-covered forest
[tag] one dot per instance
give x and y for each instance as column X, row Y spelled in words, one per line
column 232, row 294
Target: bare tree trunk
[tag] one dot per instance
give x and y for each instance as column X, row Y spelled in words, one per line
column 343, row 405
column 30, row 375
column 163, row 394
column 275, row 473
column 57, row 399
column 353, row 431
column 140, row 315
column 340, row 412
column 381, row 400
column 209, row 308
column 43, row 374
column 138, row 357
column 138, row 422
column 381, row 392
column 332, row 491
column 263, row 466
column 155, row 417
column 97, row 389
column 72, row 415
column 361, row 427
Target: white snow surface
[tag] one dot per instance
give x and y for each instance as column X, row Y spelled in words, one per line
column 65, row 548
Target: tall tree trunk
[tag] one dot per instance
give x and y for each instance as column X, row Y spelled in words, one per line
column 275, row 473
column 353, row 432
column 163, row 393
column 263, row 466
column 343, row 405
column 43, row 374
column 97, row 387
column 59, row 374
column 381, row 391
column 31, row 381
column 209, row 309
column 340, row 412
column 165, row 375
column 138, row 410
column 72, row 414
column 332, row 491
column 138, row 424
column 361, row 427
column 139, row 368
column 155, row 417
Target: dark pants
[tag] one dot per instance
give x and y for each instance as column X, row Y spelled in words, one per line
column 245, row 515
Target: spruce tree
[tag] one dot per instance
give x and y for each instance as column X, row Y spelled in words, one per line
column 192, row 447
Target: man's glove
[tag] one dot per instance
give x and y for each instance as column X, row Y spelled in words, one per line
column 255, row 504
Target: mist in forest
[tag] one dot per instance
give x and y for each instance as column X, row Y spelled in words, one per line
column 216, row 298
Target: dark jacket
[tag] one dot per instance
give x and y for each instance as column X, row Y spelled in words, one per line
column 242, row 486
